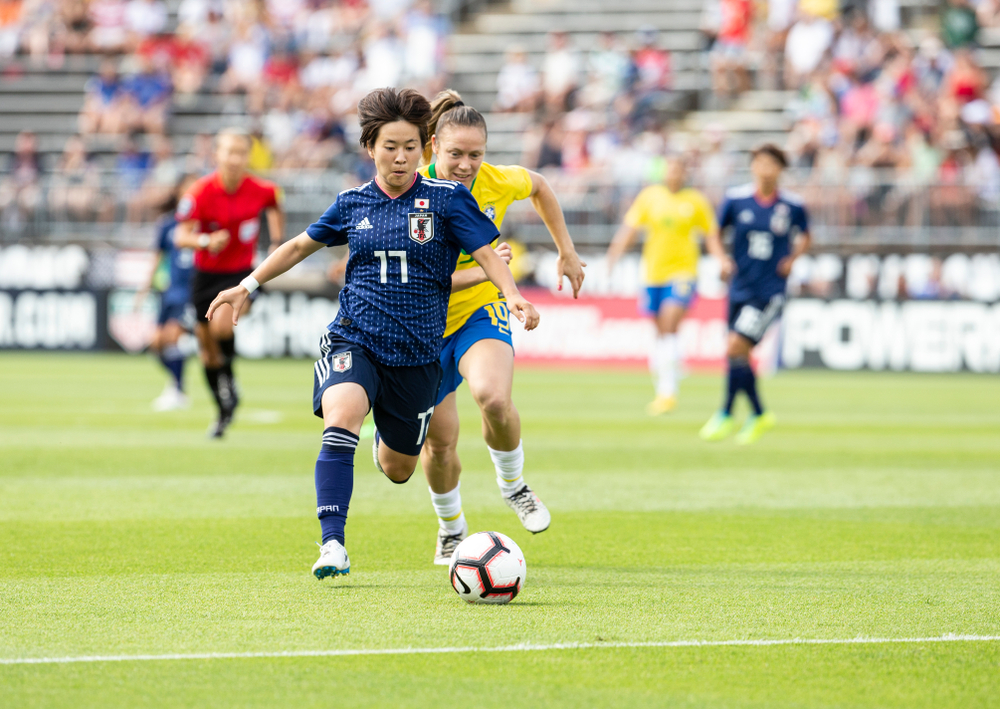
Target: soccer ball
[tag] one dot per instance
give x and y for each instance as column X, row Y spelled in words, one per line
column 488, row 567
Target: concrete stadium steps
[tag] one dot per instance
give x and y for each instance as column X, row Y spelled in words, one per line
column 476, row 52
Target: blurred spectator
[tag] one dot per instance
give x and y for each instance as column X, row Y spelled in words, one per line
column 145, row 17
column 807, row 44
column 608, row 71
column 383, row 58
column 884, row 15
column 247, row 54
column 73, row 27
column 560, row 72
column 75, row 190
column 104, row 102
column 190, row 65
column 132, row 167
column 729, row 54
column 517, row 82
column 110, row 30
column 424, row 44
column 959, row 24
column 147, row 98
column 166, row 172
column 11, row 26
column 201, row 160
column 20, row 187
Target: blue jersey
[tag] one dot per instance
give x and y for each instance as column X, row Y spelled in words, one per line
column 180, row 261
column 402, row 254
column 762, row 236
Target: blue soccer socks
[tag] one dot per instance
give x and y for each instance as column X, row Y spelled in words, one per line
column 335, row 481
column 741, row 377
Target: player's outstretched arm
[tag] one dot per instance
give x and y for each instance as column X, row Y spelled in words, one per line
column 468, row 277
column 713, row 244
column 622, row 242
column 275, row 227
column 544, row 200
column 283, row 258
column 500, row 275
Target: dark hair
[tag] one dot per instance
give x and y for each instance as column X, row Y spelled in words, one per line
column 169, row 203
column 770, row 149
column 383, row 106
column 448, row 109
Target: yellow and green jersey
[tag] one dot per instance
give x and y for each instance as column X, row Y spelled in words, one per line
column 495, row 188
column 673, row 222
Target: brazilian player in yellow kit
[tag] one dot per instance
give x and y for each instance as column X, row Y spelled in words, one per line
column 477, row 336
column 673, row 217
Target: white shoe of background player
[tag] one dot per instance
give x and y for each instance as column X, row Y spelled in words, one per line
column 332, row 561
column 171, row 399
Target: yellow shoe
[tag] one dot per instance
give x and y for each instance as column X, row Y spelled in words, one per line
column 717, row 427
column 661, row 405
column 755, row 427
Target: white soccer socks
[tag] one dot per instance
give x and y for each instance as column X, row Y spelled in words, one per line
column 448, row 507
column 510, row 468
column 666, row 348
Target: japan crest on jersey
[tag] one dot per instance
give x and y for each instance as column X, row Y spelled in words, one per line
column 341, row 361
column 421, row 226
column 781, row 219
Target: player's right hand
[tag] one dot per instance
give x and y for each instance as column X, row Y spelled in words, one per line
column 524, row 311
column 726, row 268
column 504, row 252
column 233, row 297
column 217, row 240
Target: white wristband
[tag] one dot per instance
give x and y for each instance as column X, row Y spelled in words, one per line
column 250, row 283
column 203, row 241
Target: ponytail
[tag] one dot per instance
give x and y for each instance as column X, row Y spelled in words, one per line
column 447, row 108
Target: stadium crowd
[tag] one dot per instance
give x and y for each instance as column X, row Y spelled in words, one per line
column 873, row 111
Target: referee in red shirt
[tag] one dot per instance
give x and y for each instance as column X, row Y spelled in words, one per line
column 220, row 218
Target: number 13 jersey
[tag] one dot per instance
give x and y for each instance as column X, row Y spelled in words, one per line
column 402, row 254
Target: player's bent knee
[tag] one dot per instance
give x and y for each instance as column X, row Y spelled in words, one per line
column 398, row 473
column 495, row 406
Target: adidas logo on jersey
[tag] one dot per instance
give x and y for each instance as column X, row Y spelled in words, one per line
column 364, row 224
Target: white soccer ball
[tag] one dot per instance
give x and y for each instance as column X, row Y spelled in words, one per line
column 487, row 567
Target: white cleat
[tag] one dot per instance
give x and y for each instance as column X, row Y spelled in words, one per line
column 375, row 440
column 446, row 545
column 172, row 399
column 534, row 515
column 332, row 561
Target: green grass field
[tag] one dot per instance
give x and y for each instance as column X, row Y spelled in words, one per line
column 872, row 511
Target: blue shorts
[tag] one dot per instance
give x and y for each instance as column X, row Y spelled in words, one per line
column 180, row 311
column 401, row 398
column 751, row 318
column 491, row 322
column 679, row 291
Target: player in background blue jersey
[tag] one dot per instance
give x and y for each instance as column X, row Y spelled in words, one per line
column 381, row 353
column 176, row 316
column 770, row 230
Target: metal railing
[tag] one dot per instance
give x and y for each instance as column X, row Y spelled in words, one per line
column 863, row 208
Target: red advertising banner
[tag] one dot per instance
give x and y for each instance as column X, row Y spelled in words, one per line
column 611, row 330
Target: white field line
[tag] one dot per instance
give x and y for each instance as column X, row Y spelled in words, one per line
column 527, row 647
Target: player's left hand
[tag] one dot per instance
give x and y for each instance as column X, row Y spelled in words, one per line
column 234, row 297
column 524, row 311
column 570, row 266
column 785, row 266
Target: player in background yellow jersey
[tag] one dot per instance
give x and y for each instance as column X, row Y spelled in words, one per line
column 673, row 217
column 477, row 337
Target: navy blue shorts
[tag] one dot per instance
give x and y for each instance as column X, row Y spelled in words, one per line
column 401, row 398
column 491, row 322
column 181, row 312
column 751, row 318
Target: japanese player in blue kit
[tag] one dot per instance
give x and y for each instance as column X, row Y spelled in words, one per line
column 381, row 353
column 770, row 229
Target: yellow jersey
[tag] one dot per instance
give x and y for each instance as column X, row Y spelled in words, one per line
column 672, row 221
column 495, row 188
